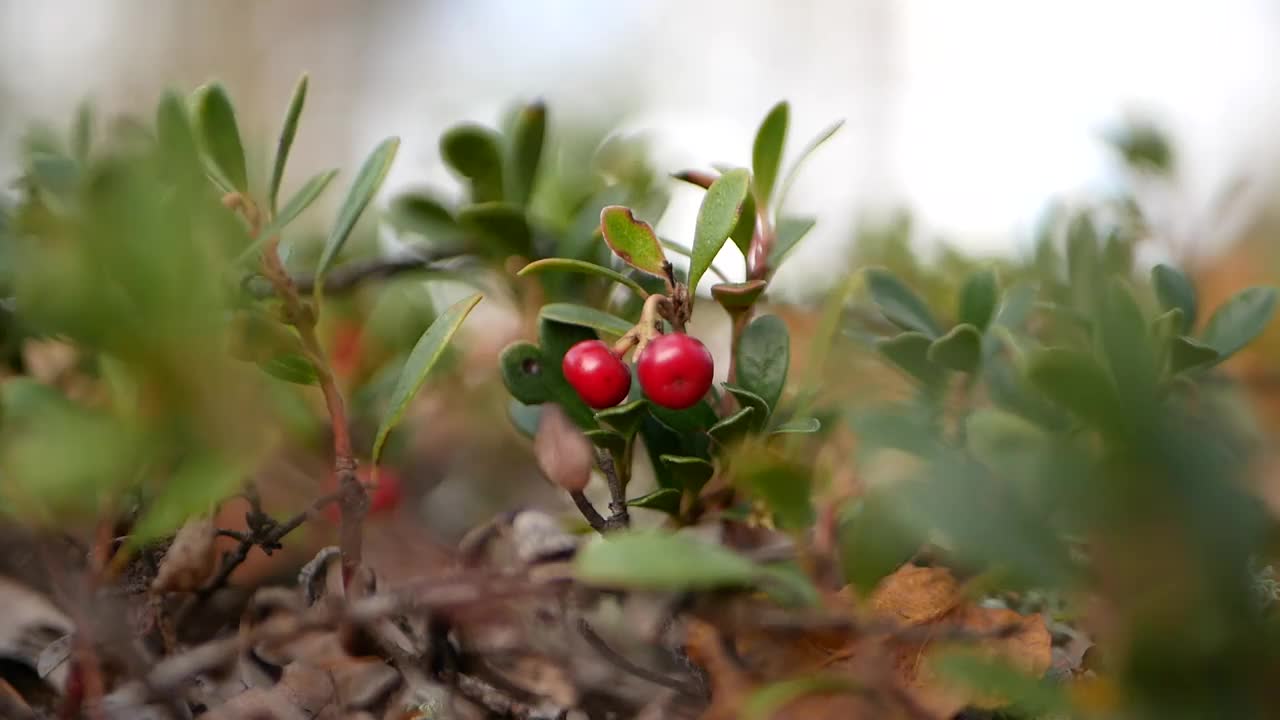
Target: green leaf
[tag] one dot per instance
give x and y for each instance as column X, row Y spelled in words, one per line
column 764, row 356
column 978, row 298
column 960, row 349
column 997, row 437
column 910, row 352
column 1083, row 266
column 899, row 304
column 690, row 473
column 661, row 561
column 874, row 539
column 82, row 132
column 766, row 153
column 1187, row 353
column 219, row 135
column 420, row 213
column 1174, row 290
column 1239, row 320
column 738, row 296
column 787, row 234
column 527, row 136
column 586, row 268
column 1126, row 344
column 361, row 192
column 988, row 678
column 732, row 428
column 503, row 224
column 804, row 426
column 300, row 201
column 745, row 229
column 721, row 208
column 767, row 701
column 782, row 485
column 808, row 150
column 196, row 486
column 426, row 353
column 1075, row 381
column 473, row 152
column 632, row 240
column 521, row 364
column 287, row 133
column 292, row 368
column 625, row 418
column 664, row 500
column 746, row 398
column 607, row 440
column 583, row 316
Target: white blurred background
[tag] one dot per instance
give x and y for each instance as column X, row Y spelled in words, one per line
column 973, row 113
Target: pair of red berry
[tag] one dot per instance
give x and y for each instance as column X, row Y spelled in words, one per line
column 674, row 370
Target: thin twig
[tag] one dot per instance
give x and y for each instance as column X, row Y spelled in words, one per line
column 598, row 644
column 593, row 516
column 619, row 517
column 354, row 500
column 352, row 275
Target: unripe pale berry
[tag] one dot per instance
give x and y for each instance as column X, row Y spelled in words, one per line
column 599, row 376
column 675, row 370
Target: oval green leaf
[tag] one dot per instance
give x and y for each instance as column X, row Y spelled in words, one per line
column 766, row 152
column 787, row 234
column 527, row 136
column 1239, row 320
column 632, row 240
column 960, row 349
column 1174, row 290
column 426, row 353
column 220, row 136
column 899, row 304
column 1188, row 354
column 808, row 150
column 644, row 560
column 473, row 152
column 721, row 208
column 910, row 352
column 287, row 133
column 502, row 224
column 588, row 317
column 764, row 356
column 746, row 398
column 690, row 473
column 301, row 200
column 583, row 267
column 664, row 500
column 806, row 426
column 625, row 419
column 1075, row 381
column 361, row 192
column 733, row 428
column 738, row 296
column 292, row 368
column 978, row 298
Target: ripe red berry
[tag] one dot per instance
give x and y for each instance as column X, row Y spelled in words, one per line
column 382, row 499
column 599, row 376
column 675, row 370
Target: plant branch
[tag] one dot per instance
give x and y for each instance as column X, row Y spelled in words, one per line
column 761, row 246
column 598, row 644
column 593, row 516
column 352, row 275
column 619, row 517
column 300, row 314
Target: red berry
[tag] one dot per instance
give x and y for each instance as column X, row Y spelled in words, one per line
column 675, row 370
column 599, row 376
column 382, row 499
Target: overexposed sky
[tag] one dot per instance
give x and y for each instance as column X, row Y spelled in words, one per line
column 972, row 112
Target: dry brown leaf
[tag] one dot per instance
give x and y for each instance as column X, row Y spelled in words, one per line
column 916, row 595
column 564, row 454
column 190, row 560
column 928, row 609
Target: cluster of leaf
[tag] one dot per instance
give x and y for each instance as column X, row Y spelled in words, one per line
column 1072, row 432
column 686, row 448
column 530, row 193
column 130, row 249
